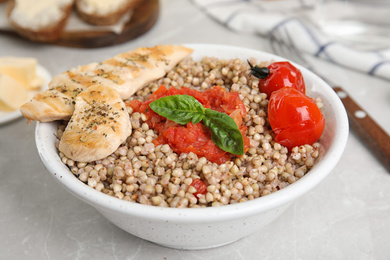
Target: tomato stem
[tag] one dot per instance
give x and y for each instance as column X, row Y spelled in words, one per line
column 258, row 72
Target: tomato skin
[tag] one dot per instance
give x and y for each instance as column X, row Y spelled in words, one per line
column 282, row 74
column 200, row 186
column 194, row 138
column 295, row 118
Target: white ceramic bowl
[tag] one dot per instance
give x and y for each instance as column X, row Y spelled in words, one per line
column 201, row 228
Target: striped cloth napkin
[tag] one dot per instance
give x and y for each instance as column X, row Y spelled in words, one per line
column 270, row 18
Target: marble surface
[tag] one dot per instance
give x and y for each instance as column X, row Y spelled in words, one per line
column 347, row 216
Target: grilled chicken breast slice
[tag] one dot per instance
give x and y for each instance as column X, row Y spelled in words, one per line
column 127, row 73
column 99, row 125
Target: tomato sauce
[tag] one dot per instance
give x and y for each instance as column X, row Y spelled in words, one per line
column 194, row 138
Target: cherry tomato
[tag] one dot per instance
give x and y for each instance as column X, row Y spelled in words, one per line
column 294, row 118
column 199, row 185
column 279, row 74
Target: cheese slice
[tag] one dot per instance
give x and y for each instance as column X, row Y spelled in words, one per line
column 12, row 94
column 23, row 70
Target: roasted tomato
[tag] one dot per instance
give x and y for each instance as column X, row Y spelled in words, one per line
column 194, row 137
column 294, row 118
column 200, row 186
column 278, row 75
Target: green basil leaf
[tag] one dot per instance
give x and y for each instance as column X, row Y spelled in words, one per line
column 197, row 118
column 181, row 109
column 224, row 131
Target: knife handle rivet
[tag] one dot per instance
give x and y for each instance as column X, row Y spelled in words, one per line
column 341, row 94
column 360, row 114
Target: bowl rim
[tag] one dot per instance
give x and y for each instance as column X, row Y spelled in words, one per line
column 44, row 137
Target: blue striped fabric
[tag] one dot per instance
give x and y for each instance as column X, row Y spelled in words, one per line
column 268, row 18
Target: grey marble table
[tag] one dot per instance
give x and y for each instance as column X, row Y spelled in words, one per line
column 346, row 217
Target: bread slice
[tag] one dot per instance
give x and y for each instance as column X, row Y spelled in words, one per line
column 39, row 20
column 104, row 12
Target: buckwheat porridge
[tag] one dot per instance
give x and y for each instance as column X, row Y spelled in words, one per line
column 139, row 171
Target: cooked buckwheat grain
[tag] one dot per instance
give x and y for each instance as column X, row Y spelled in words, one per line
column 140, row 172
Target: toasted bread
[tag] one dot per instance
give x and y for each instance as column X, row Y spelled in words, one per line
column 39, row 20
column 104, row 12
